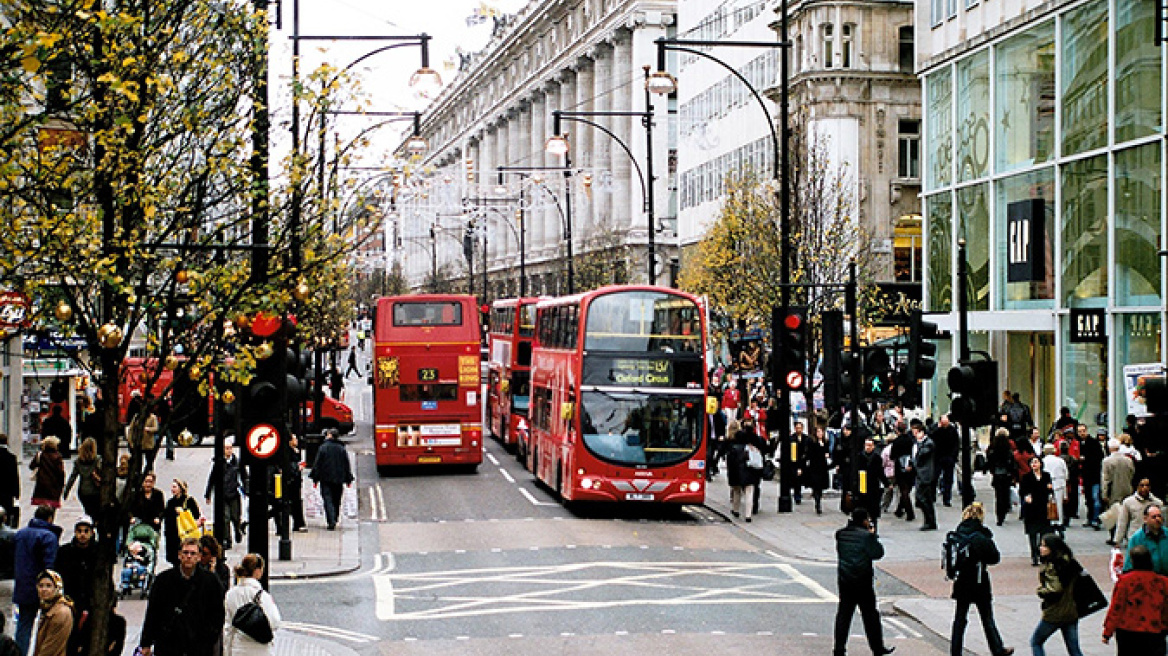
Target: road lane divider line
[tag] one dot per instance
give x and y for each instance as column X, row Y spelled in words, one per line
column 532, row 499
column 381, row 503
column 507, row 476
column 492, row 458
column 385, row 607
column 807, row 582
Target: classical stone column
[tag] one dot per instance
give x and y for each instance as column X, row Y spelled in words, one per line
column 602, row 90
column 624, row 187
column 586, row 138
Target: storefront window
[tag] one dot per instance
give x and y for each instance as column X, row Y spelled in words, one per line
column 974, row 214
column 1137, row 71
column 906, row 249
column 1030, row 197
column 1137, row 226
column 973, row 116
column 1138, row 342
column 1084, row 375
column 940, row 221
column 1084, row 78
column 1024, row 113
column 940, row 128
column 1084, row 232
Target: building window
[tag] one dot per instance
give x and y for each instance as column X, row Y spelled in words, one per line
column 938, row 13
column 907, row 251
column 827, row 36
column 846, row 45
column 909, row 149
column 907, row 53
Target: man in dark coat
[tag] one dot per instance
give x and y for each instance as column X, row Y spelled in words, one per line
column 56, row 425
column 75, row 563
column 1091, row 455
column 331, row 472
column 184, row 616
column 924, row 464
column 946, row 444
column 36, row 551
column 234, row 480
column 871, row 487
column 972, row 583
column 902, row 457
column 7, row 548
column 9, row 482
column 856, row 547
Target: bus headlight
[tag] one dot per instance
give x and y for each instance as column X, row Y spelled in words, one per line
column 587, row 483
column 692, row 486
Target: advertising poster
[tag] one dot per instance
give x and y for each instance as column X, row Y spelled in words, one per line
column 1133, row 379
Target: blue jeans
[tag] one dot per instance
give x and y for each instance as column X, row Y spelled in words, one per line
column 1045, row 630
column 24, row 622
column 1094, row 500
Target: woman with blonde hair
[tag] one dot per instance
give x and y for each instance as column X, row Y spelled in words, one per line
column 50, row 474
column 86, row 469
column 56, row 616
column 248, row 589
column 178, row 502
column 971, row 583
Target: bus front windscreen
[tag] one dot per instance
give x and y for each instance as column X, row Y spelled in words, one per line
column 632, row 428
column 642, row 321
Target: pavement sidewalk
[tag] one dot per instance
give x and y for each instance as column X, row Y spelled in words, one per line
column 914, row 557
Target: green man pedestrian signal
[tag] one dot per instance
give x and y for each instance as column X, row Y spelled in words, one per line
column 878, row 373
column 791, row 335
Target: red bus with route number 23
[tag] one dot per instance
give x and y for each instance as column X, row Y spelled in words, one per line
column 426, row 377
column 618, row 396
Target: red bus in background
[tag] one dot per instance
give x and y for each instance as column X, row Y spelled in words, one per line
column 509, row 342
column 618, row 396
column 426, row 381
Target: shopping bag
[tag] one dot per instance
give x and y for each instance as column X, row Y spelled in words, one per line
column 188, row 526
column 1115, row 564
column 1088, row 597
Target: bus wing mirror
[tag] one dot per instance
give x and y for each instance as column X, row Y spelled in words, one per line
column 711, row 405
column 566, row 410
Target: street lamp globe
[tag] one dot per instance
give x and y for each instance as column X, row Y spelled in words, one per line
column 661, row 83
column 556, row 145
column 426, row 82
column 416, row 145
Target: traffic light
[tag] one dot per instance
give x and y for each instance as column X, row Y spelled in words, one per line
column 790, row 332
column 973, row 388
column 834, row 392
column 921, row 364
column 878, row 382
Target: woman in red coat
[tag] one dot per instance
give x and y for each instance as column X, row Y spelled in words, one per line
column 1138, row 616
column 50, row 474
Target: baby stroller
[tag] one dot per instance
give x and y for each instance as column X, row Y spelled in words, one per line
column 138, row 560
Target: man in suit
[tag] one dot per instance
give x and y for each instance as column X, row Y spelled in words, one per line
column 924, row 463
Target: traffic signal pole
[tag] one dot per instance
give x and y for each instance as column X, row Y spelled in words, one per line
column 967, row 493
column 857, row 445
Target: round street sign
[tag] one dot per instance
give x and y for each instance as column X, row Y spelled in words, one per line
column 794, row 380
column 263, row 440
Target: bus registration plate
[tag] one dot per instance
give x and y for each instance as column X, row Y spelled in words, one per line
column 636, row 496
column 429, row 460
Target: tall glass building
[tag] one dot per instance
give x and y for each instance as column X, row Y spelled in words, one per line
column 1044, row 152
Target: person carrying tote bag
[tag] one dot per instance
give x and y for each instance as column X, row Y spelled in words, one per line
column 247, row 590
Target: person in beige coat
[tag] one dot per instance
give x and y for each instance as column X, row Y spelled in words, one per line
column 247, row 588
column 1131, row 512
column 1118, row 472
column 56, row 619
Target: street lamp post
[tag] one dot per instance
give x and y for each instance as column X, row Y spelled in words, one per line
column 565, row 219
column 485, row 203
column 557, row 144
column 662, row 82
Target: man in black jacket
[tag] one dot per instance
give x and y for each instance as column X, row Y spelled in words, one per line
column 234, row 478
column 902, row 457
column 9, row 483
column 75, row 563
column 856, row 547
column 946, row 445
column 871, row 489
column 332, row 471
column 184, row 616
column 972, row 583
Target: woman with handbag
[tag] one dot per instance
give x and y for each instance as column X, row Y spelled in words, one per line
column 246, row 607
column 48, row 473
column 744, row 464
column 1056, row 589
column 1036, row 491
column 181, row 509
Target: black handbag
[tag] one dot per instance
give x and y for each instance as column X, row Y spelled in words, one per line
column 253, row 622
column 1088, row 597
column 768, row 470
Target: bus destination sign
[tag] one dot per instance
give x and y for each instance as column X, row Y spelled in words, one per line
column 629, row 372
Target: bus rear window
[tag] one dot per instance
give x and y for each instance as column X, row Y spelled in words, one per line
column 428, row 392
column 444, row 313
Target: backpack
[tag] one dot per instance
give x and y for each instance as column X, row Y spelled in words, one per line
column 1016, row 413
column 956, row 559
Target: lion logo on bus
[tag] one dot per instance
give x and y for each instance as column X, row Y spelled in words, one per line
column 387, row 372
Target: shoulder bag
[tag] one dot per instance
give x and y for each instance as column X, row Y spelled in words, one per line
column 1088, row 597
column 253, row 622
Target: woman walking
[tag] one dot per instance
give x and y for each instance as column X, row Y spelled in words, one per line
column 817, row 468
column 56, row 617
column 85, row 470
column 1056, row 584
column 1035, row 489
column 248, row 589
column 742, row 477
column 1001, row 465
column 50, row 474
column 178, row 502
column 1138, row 615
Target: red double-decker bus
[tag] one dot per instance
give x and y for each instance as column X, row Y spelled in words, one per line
column 509, row 342
column 618, row 396
column 426, row 381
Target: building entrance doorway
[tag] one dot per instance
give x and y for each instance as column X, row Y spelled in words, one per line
column 1029, row 371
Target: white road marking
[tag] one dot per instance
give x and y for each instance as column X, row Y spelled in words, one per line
column 506, row 475
column 493, row 459
column 535, row 502
column 383, row 588
column 329, row 631
column 806, row 582
column 902, row 626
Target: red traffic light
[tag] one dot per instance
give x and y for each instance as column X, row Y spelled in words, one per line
column 484, row 308
column 793, row 322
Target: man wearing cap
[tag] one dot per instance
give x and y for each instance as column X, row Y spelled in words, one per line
column 331, row 472
column 1054, row 465
column 76, row 562
column 234, row 480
